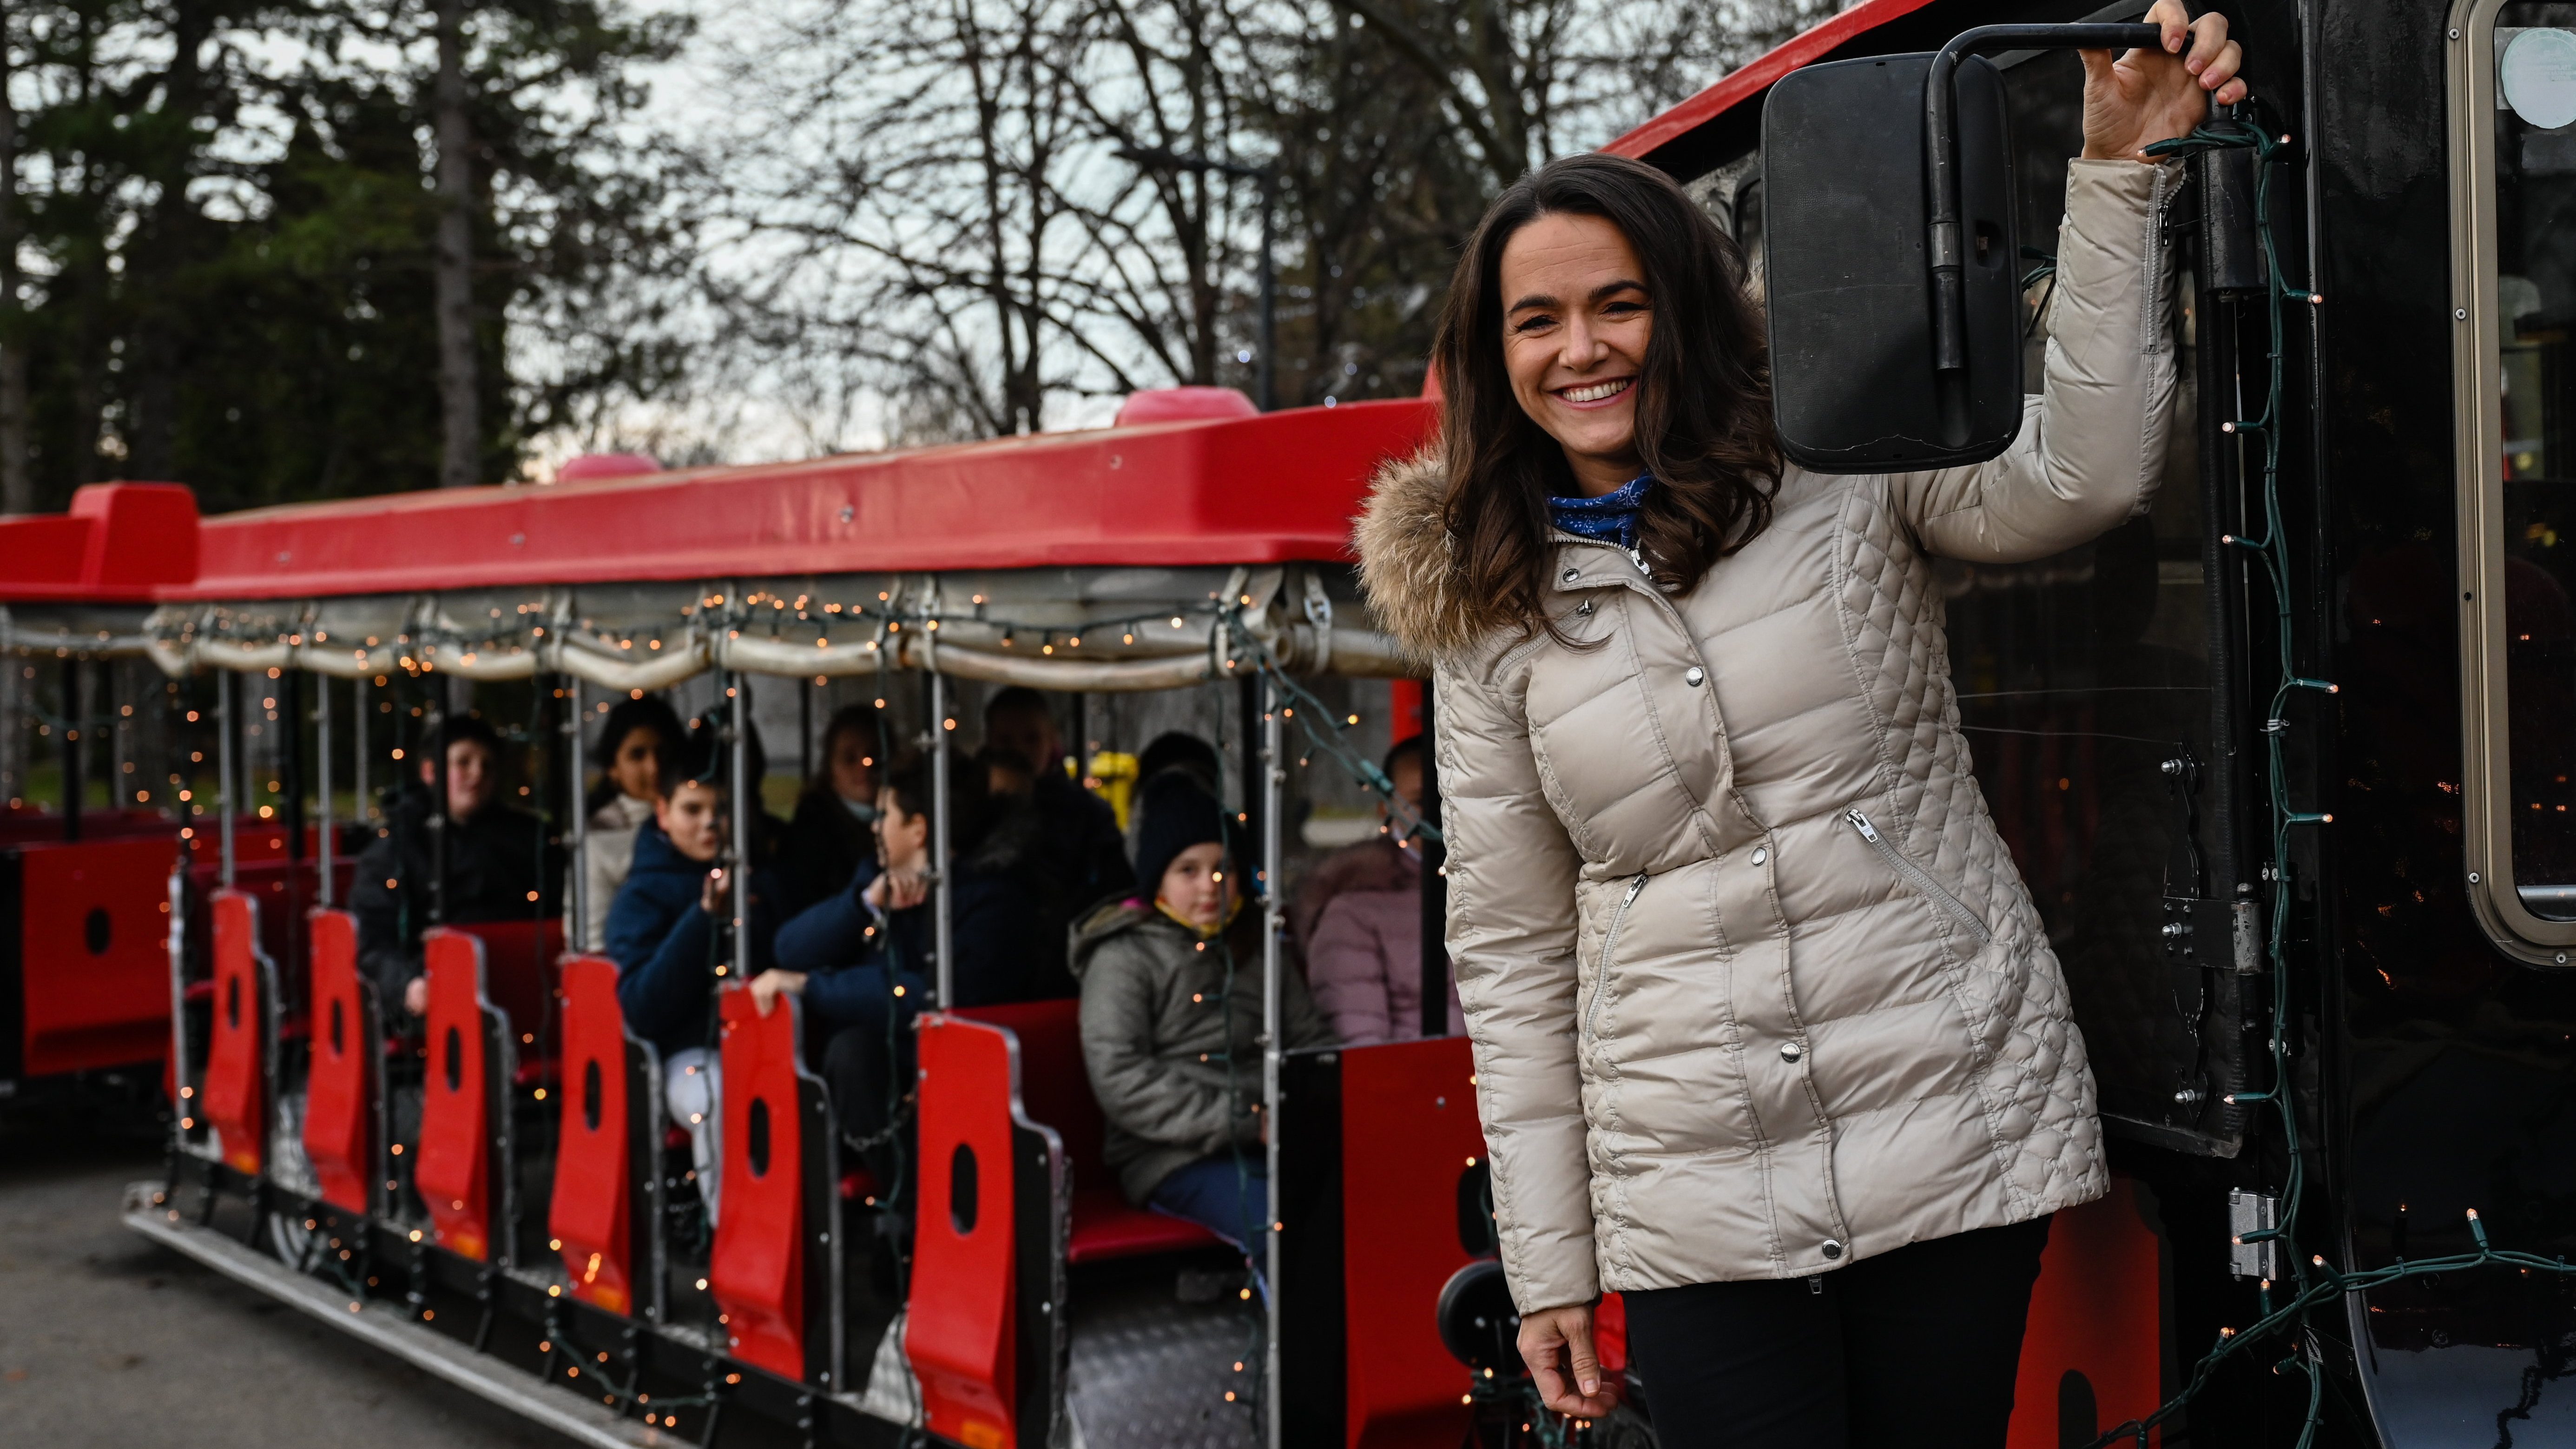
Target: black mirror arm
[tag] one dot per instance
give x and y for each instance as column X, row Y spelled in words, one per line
column 1940, row 138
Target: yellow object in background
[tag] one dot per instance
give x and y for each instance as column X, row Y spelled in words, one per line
column 1113, row 778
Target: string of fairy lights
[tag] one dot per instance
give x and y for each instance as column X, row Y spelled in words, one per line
column 2315, row 1283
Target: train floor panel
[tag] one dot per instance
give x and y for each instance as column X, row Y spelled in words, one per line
column 1149, row 1368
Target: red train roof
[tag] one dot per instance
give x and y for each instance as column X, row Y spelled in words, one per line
column 1752, row 79
column 120, row 544
column 1266, row 489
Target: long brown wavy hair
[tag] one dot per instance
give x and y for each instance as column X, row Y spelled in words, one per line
column 1703, row 396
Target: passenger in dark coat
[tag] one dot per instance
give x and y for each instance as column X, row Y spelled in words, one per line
column 666, row 933
column 500, row 866
column 1081, row 856
column 864, row 960
column 847, row 945
column 831, row 844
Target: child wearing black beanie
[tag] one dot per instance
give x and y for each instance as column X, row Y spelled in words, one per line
column 1171, row 1020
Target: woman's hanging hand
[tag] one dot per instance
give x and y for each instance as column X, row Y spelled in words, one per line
column 2148, row 96
column 1556, row 1343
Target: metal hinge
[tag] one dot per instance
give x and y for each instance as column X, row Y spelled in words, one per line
column 2248, row 1214
column 2221, row 935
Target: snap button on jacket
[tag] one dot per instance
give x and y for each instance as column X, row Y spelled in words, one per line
column 1694, row 1070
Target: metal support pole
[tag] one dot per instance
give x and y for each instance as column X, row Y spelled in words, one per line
column 1248, row 691
column 942, row 903
column 74, row 786
column 323, row 894
column 1435, row 885
column 804, row 731
column 433, row 738
column 9, row 722
column 1081, row 736
column 1274, row 922
column 226, row 690
column 738, row 769
column 358, row 747
column 576, row 822
column 119, row 794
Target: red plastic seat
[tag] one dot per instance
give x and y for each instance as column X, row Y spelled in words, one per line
column 1055, row 1089
column 462, row 1170
column 340, row 1083
column 961, row 1328
column 235, row 1096
column 773, row 1267
column 521, row 960
column 596, row 1213
column 1105, row 1227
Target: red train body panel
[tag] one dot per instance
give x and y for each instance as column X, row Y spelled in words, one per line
column 93, row 924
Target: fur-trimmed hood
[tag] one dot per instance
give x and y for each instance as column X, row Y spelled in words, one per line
column 1408, row 565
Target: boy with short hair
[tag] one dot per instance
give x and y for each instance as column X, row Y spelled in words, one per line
column 665, row 932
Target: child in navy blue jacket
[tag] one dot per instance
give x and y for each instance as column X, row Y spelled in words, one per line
column 666, row 933
column 863, row 959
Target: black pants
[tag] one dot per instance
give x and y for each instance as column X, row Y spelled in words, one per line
column 1917, row 1347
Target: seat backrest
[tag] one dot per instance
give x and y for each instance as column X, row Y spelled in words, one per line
column 1055, row 1086
column 520, row 962
column 462, row 1168
column 774, row 1268
column 340, row 1078
column 598, row 1213
column 967, row 1331
column 235, row 1098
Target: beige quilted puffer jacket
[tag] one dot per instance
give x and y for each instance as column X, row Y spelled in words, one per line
column 1754, row 988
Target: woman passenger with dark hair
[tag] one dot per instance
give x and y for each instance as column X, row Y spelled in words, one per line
column 1768, row 1036
column 638, row 746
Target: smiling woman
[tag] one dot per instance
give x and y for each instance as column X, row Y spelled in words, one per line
column 1598, row 331
column 1757, row 993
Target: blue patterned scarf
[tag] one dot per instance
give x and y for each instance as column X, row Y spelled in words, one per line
column 1612, row 517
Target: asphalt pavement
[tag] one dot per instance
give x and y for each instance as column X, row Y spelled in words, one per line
column 108, row 1340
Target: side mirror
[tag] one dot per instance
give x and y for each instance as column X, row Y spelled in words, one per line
column 1892, row 262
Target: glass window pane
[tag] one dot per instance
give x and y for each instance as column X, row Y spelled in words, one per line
column 2535, row 236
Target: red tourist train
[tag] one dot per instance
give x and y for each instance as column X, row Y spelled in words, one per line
column 2281, row 763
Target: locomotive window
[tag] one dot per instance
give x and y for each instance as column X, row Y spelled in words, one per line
column 2514, row 152
column 2083, row 689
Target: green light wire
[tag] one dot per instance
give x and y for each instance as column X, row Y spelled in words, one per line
column 2317, row 1282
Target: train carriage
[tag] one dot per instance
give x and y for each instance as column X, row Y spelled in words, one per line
column 84, row 966
column 2281, row 763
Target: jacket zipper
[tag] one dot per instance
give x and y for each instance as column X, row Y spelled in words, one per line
column 1917, row 877
column 1609, row 948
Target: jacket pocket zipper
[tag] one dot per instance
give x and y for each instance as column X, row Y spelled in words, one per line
column 1609, row 947
column 1917, row 877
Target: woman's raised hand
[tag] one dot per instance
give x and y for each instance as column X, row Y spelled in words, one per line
column 1556, row 1343
column 2147, row 96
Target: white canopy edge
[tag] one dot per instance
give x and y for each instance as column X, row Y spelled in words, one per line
column 1300, row 635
